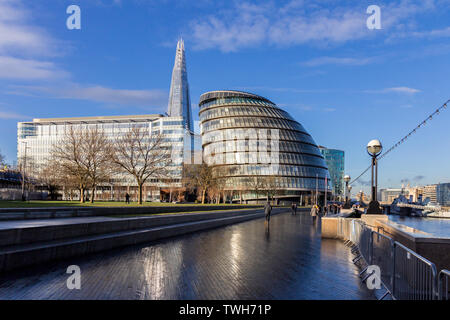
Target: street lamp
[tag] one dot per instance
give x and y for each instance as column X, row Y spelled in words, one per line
column 347, row 203
column 23, row 167
column 374, row 148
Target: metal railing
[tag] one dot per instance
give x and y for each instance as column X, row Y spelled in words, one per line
column 414, row 277
column 444, row 285
column 383, row 255
column 363, row 240
column 405, row 274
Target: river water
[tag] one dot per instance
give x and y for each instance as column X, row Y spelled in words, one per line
column 439, row 227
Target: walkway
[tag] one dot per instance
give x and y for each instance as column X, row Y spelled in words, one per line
column 241, row 261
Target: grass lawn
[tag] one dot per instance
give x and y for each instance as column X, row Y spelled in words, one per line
column 40, row 204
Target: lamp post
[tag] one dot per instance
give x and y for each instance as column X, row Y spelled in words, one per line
column 347, row 203
column 23, row 167
column 374, row 148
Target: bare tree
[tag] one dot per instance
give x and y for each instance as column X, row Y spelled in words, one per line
column 255, row 184
column 272, row 187
column 199, row 177
column 99, row 167
column 83, row 156
column 50, row 179
column 142, row 155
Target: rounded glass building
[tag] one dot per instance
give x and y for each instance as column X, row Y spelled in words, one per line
column 252, row 144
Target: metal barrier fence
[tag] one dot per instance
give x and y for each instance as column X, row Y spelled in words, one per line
column 363, row 239
column 404, row 273
column 444, row 285
column 383, row 256
column 414, row 277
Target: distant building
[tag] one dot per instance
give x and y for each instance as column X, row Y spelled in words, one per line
column 335, row 162
column 415, row 194
column 361, row 197
column 388, row 195
column 443, row 194
column 430, row 192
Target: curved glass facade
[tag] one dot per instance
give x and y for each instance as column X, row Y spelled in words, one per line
column 246, row 136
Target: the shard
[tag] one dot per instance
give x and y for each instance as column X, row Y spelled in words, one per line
column 179, row 99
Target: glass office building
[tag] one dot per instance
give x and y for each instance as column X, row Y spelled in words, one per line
column 335, row 162
column 36, row 139
column 245, row 136
column 443, row 194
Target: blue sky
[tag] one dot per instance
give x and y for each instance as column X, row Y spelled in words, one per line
column 345, row 83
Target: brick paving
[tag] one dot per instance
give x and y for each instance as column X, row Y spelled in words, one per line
column 289, row 260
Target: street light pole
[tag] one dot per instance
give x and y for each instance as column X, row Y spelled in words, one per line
column 374, row 148
column 24, row 165
column 347, row 202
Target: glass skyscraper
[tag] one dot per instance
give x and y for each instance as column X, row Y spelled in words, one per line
column 179, row 99
column 335, row 162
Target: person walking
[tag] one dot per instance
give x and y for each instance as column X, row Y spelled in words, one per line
column 314, row 211
column 267, row 210
column 293, row 208
column 127, row 198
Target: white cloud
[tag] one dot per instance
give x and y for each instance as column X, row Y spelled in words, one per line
column 28, row 69
column 298, row 22
column 437, row 33
column 23, row 46
column 404, row 90
column 320, row 61
column 10, row 115
column 152, row 99
column 18, row 36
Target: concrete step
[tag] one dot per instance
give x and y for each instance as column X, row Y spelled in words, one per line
column 23, row 232
column 23, row 255
column 69, row 212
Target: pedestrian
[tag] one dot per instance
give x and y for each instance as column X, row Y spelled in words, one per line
column 267, row 210
column 293, row 208
column 127, row 198
column 314, row 211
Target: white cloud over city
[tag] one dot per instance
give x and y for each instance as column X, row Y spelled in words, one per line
column 27, row 53
column 301, row 22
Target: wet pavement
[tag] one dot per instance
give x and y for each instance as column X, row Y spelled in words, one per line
column 248, row 260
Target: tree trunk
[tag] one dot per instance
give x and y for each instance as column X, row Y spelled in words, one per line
column 203, row 196
column 92, row 194
column 140, row 193
column 82, row 194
